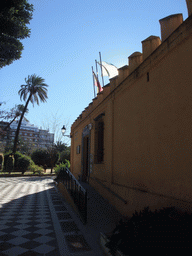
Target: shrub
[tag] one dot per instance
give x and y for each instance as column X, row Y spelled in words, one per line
column 10, row 163
column 61, row 171
column 39, row 157
column 65, row 155
column 62, row 166
column 45, row 157
column 23, row 163
column 1, row 161
column 152, row 233
column 52, row 157
column 16, row 156
column 6, row 155
column 35, row 168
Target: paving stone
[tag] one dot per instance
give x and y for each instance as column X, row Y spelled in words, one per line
column 26, row 224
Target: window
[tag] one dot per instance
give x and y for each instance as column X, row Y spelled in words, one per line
column 99, row 139
column 147, row 76
column 78, row 149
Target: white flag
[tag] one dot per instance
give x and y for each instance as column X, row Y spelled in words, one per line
column 108, row 69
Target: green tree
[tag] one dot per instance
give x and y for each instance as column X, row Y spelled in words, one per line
column 16, row 112
column 53, row 156
column 65, row 155
column 36, row 90
column 14, row 17
column 60, row 146
column 39, row 156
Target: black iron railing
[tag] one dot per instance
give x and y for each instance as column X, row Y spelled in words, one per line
column 77, row 192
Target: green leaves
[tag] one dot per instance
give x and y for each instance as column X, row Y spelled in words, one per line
column 14, row 15
column 35, row 87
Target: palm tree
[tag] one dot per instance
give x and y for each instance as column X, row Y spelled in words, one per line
column 36, row 90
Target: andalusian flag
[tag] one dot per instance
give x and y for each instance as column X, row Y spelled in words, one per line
column 108, row 69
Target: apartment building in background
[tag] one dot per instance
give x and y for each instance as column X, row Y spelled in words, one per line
column 32, row 135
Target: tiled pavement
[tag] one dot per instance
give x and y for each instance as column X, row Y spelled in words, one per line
column 35, row 221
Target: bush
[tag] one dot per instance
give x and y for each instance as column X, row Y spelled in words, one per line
column 23, row 163
column 52, row 157
column 6, row 155
column 61, row 171
column 35, row 168
column 62, row 166
column 10, row 163
column 45, row 157
column 39, row 157
column 1, row 161
column 152, row 233
column 16, row 156
column 65, row 155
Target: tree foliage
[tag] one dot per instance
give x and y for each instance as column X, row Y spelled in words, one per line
column 23, row 163
column 10, row 163
column 45, row 157
column 14, row 17
column 160, row 232
column 65, row 155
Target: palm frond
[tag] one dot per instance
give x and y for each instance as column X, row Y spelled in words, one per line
column 35, row 88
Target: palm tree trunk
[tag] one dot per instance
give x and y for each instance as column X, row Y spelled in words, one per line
column 9, row 124
column 19, row 125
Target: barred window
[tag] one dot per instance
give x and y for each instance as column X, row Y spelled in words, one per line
column 99, row 140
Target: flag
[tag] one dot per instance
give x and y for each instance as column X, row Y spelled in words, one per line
column 108, row 69
column 97, row 84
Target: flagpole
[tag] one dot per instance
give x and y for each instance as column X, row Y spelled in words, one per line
column 101, row 68
column 96, row 73
column 93, row 83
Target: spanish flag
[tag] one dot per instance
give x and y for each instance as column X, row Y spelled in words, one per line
column 97, row 84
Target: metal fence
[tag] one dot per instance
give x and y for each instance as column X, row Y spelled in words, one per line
column 77, row 192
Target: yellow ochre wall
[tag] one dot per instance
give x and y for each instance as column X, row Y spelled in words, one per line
column 147, row 134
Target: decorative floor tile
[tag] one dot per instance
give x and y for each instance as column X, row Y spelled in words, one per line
column 22, row 226
column 30, row 245
column 5, row 246
column 43, row 231
column 31, row 253
column 2, row 233
column 24, row 221
column 3, row 227
column 20, row 232
column 10, row 230
column 43, row 239
column 15, row 251
column 18, row 240
column 44, row 248
column 26, row 225
column 43, row 225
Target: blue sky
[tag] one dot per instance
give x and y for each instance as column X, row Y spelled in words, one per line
column 66, row 38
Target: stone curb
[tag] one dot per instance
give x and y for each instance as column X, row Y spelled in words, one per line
column 20, row 175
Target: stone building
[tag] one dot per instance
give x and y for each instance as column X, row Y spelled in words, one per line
column 133, row 143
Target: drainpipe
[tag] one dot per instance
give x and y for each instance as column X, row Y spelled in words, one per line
column 112, row 148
